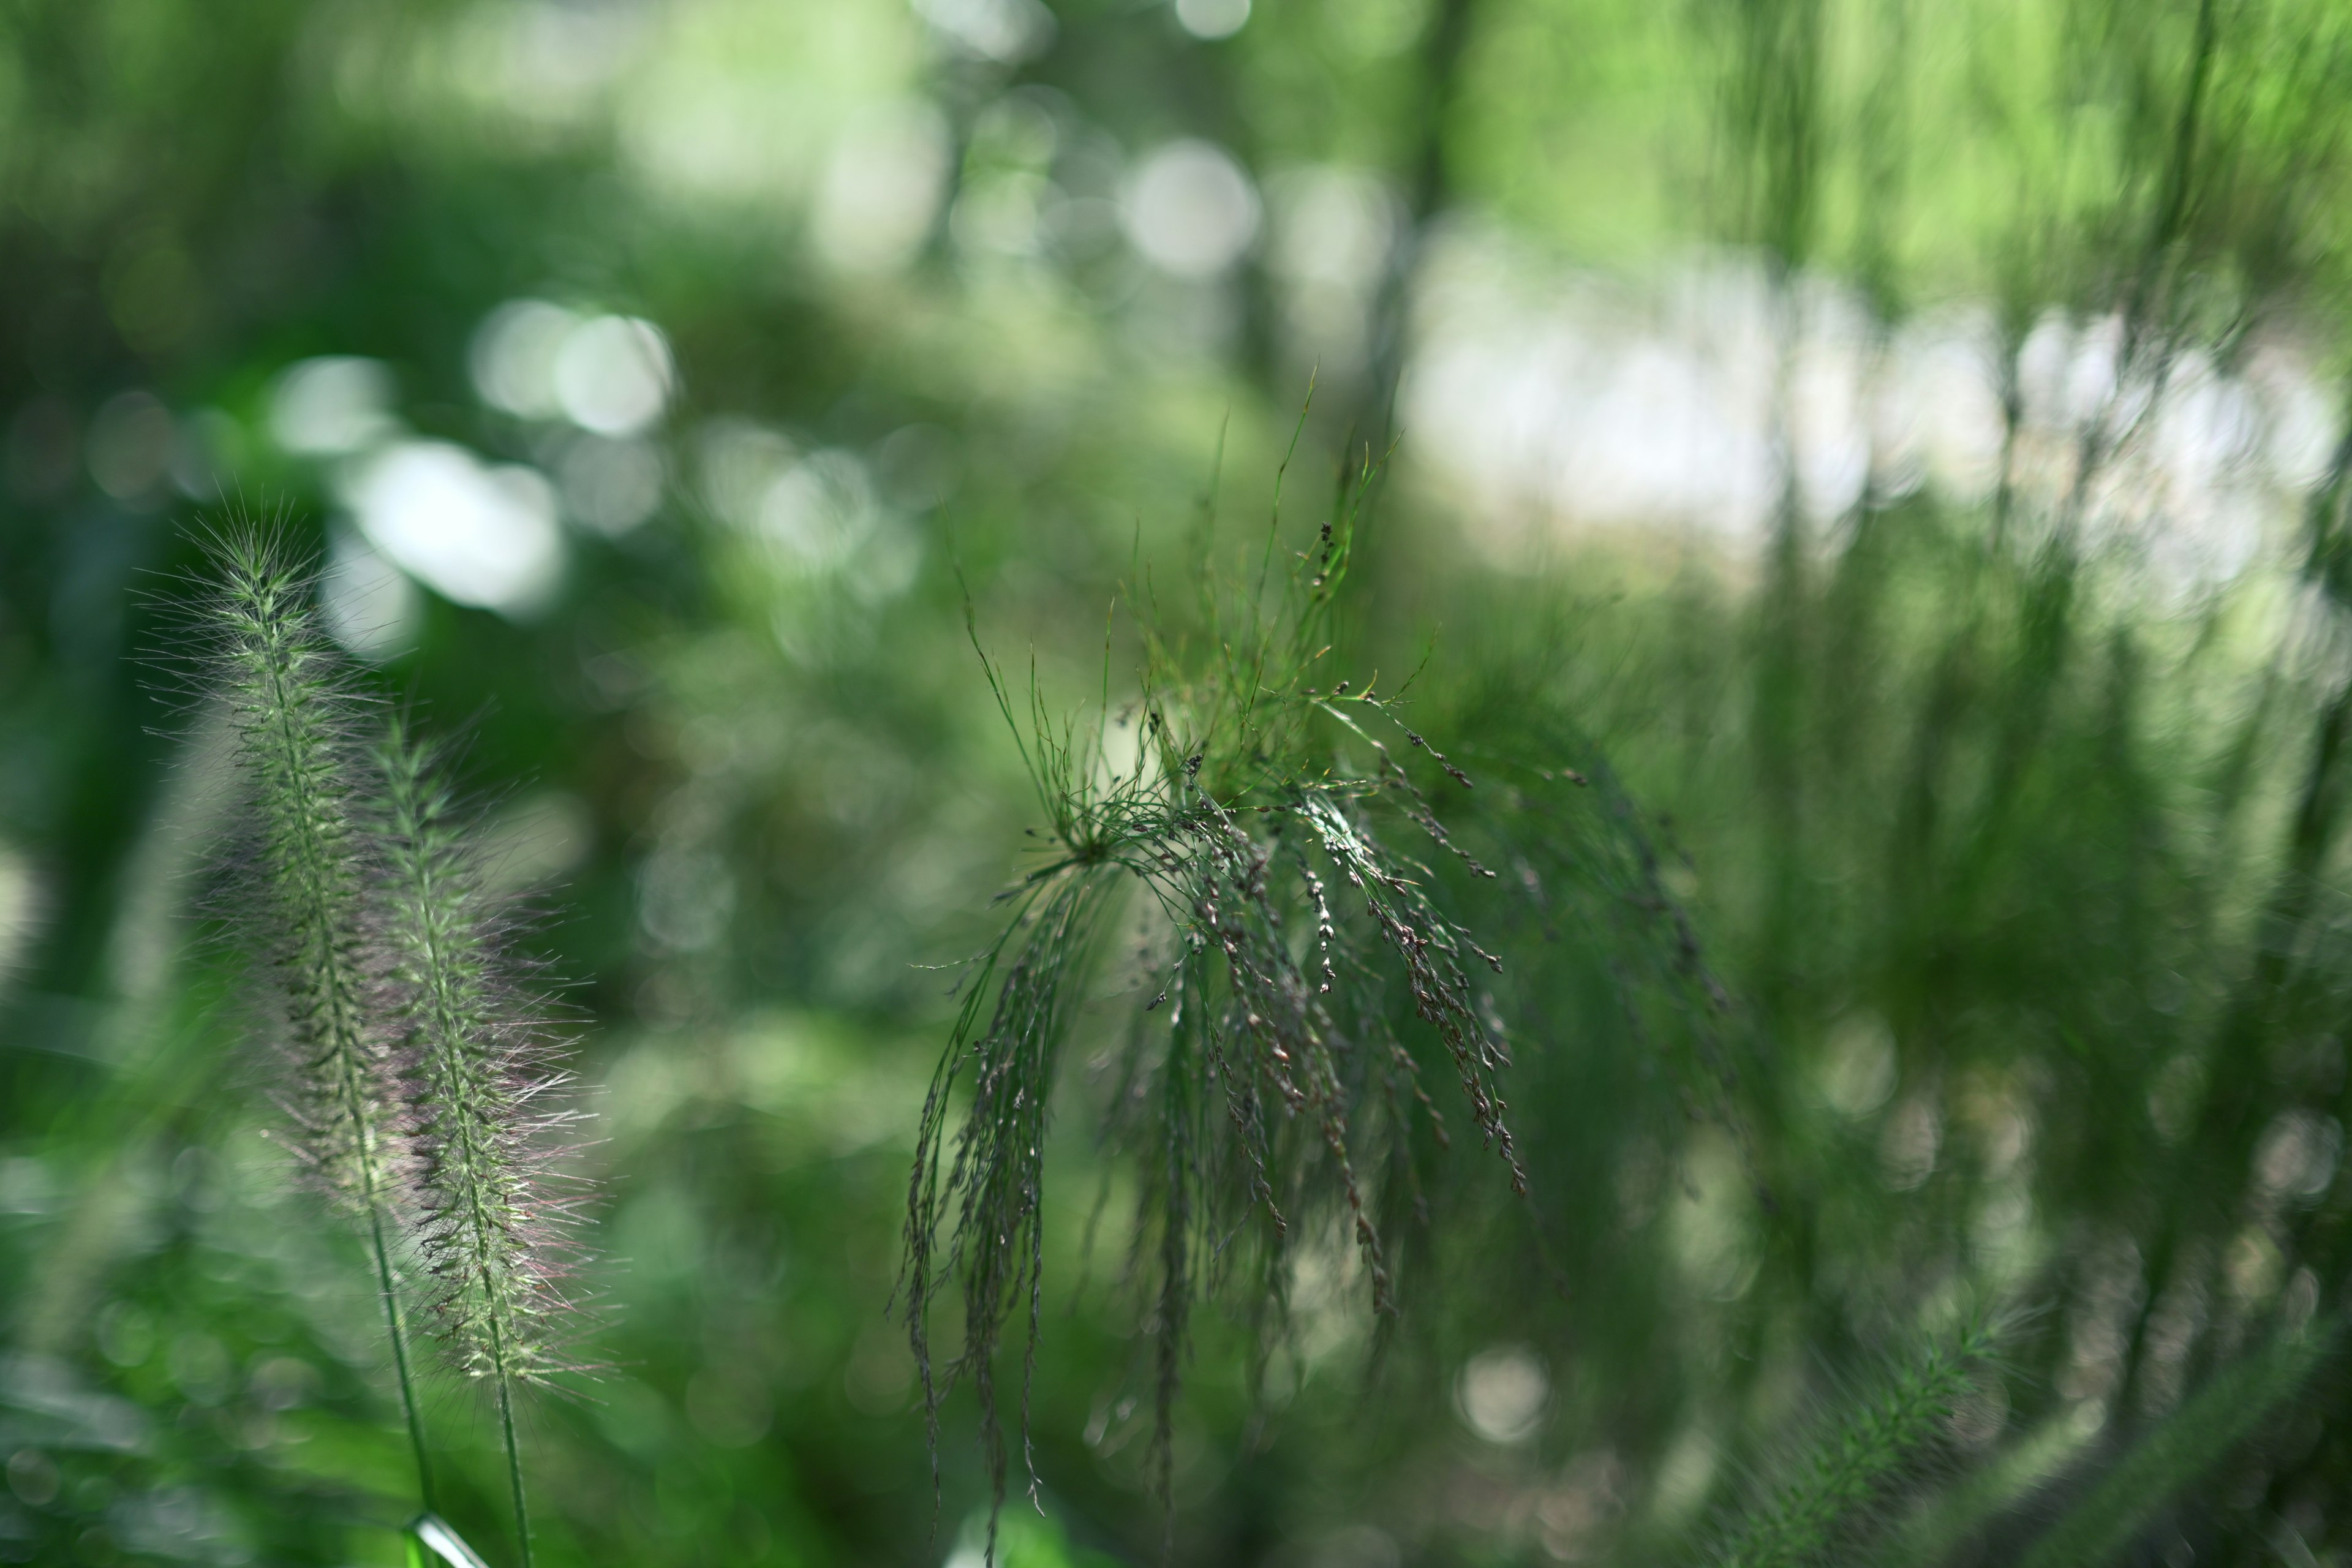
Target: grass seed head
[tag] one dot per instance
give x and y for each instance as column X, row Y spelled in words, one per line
column 1316, row 974
column 496, row 1216
column 300, row 882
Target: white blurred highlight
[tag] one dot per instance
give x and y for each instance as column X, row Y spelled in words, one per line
column 367, row 604
column 610, row 375
column 1503, row 1394
column 1553, row 401
column 819, row 510
column 512, row 356
column 1006, row 31
column 828, row 521
column 475, row 534
column 737, row 460
column 1212, row 19
column 882, row 187
column 614, row 374
column 1333, row 230
column 332, row 405
column 1190, row 209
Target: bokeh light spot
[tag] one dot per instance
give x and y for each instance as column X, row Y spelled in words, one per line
column 513, row 356
column 332, row 405
column 612, row 375
column 1503, row 1394
column 1190, row 209
column 1212, row 19
column 475, row 534
column 1006, row 31
column 882, row 188
column 368, row 605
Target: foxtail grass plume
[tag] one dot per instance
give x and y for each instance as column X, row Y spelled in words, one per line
column 495, row 1218
column 303, row 902
column 422, row 1079
column 296, row 724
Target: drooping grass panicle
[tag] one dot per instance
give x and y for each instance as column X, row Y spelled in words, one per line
column 495, row 1217
column 303, row 903
column 988, row 1197
column 1311, row 974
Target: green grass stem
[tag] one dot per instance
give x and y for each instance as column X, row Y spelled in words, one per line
column 2180, row 1450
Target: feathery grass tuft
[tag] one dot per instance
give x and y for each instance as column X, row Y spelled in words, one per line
column 305, row 908
column 422, row 1079
column 495, row 1227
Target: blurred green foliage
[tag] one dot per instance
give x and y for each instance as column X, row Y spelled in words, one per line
column 2012, row 842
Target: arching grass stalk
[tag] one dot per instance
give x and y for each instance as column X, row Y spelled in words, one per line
column 306, row 899
column 495, row 1227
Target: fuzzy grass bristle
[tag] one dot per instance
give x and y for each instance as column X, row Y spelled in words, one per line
column 304, row 906
column 496, row 1219
column 296, row 723
column 423, row 1080
column 1860, row 1455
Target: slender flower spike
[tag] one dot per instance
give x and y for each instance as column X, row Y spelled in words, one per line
column 304, row 904
column 294, row 722
column 494, row 1228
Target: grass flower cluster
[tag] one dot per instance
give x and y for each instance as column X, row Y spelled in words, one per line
column 422, row 1080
